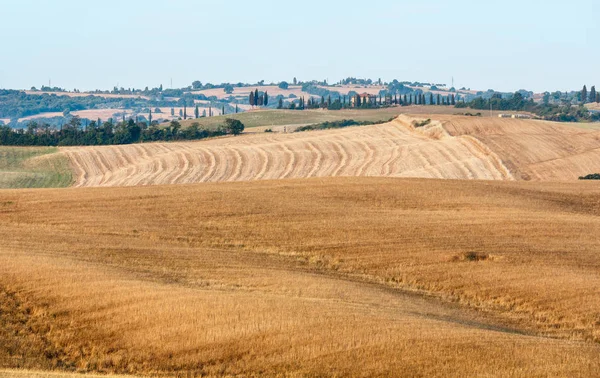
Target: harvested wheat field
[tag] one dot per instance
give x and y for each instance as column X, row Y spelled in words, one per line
column 534, row 150
column 327, row 276
column 394, row 149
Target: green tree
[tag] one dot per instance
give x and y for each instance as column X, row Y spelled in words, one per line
column 150, row 117
column 197, row 112
column 256, row 97
column 280, row 105
column 284, row 85
column 266, row 99
column 195, row 85
column 584, row 95
column 228, row 88
column 251, row 100
column 223, row 110
column 234, row 126
column 592, row 97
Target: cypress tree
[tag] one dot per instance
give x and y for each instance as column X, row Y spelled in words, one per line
column 150, row 117
column 439, row 101
column 256, row 97
column 453, row 100
column 280, row 105
column 405, row 102
column 584, row 95
column 236, row 109
column 598, row 97
column 251, row 99
column 197, row 112
column 266, row 100
column 223, row 110
column 592, row 97
column 329, row 101
column 184, row 112
column 430, row 98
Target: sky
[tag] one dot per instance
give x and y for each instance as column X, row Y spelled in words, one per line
column 504, row 45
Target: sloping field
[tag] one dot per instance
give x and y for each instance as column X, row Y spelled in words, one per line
column 321, row 277
column 534, row 150
column 33, row 167
column 394, row 149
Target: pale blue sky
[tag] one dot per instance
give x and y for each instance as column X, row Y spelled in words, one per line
column 505, row 45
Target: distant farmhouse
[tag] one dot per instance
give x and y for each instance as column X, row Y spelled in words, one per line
column 365, row 98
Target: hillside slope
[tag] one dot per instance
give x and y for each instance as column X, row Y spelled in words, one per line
column 327, row 277
column 394, row 149
column 534, row 150
column 33, row 167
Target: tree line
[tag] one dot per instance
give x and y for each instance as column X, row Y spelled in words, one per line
column 368, row 102
column 550, row 112
column 258, row 99
column 107, row 133
column 590, row 97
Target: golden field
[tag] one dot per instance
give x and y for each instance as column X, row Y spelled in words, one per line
column 450, row 146
column 325, row 276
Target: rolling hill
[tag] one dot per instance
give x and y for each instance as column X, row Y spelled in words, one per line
column 452, row 147
column 325, row 276
column 394, row 149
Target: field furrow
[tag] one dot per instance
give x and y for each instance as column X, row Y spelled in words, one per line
column 451, row 147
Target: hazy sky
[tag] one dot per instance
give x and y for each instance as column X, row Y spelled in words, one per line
column 505, row 44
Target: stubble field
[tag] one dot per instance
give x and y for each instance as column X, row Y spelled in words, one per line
column 449, row 146
column 332, row 276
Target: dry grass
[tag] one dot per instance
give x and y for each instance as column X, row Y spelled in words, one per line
column 13, row 373
column 448, row 146
column 346, row 276
column 394, row 149
column 534, row 150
